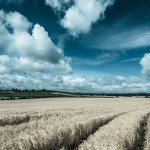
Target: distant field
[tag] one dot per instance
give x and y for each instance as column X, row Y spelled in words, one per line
column 75, row 123
column 12, row 95
column 31, row 94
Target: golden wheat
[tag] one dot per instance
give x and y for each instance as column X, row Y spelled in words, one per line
column 122, row 133
column 147, row 138
column 67, row 123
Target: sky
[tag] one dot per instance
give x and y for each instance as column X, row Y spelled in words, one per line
column 91, row 46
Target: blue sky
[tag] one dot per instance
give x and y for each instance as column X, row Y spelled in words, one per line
column 73, row 45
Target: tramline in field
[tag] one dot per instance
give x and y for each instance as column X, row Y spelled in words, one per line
column 75, row 123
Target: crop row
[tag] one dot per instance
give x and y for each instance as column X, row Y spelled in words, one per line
column 123, row 133
column 54, row 132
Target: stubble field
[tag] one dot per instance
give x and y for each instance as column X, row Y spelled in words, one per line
column 75, row 123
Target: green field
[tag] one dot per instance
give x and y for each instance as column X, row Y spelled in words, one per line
column 11, row 95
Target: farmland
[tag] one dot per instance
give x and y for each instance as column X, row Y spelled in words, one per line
column 75, row 123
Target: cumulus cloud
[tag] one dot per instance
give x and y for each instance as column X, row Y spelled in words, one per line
column 28, row 48
column 80, row 16
column 75, row 84
column 54, row 3
column 59, row 5
column 16, row 21
column 145, row 62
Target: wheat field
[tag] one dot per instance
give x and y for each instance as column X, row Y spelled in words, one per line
column 75, row 123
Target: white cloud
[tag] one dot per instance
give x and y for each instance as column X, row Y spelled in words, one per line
column 80, row 16
column 23, row 64
column 57, row 5
column 133, row 39
column 54, row 3
column 109, row 56
column 145, row 62
column 17, row 22
column 74, row 84
column 119, row 38
column 102, row 58
column 25, row 51
column 131, row 60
